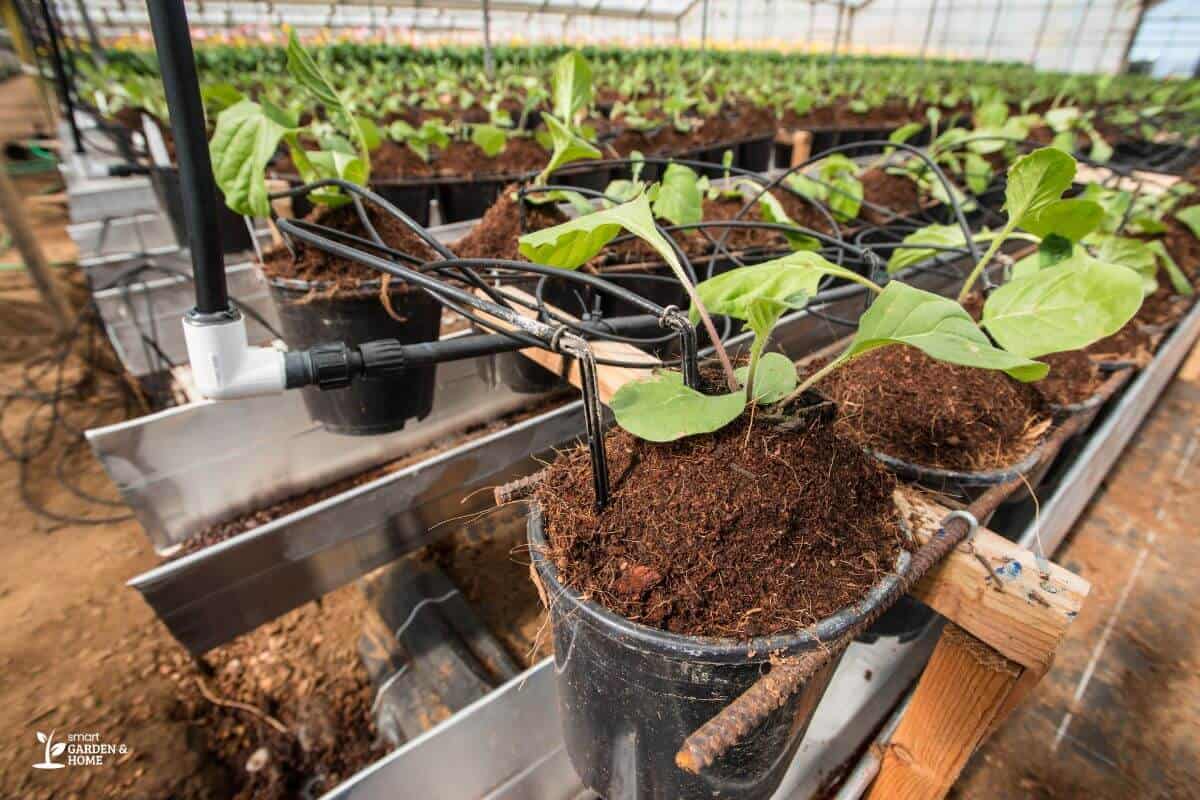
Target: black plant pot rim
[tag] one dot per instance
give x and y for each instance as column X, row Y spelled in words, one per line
column 363, row 288
column 707, row 649
column 1097, row 399
column 993, row 477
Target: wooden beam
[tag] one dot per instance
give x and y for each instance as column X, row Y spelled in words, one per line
column 609, row 379
column 996, row 590
column 963, row 690
column 17, row 222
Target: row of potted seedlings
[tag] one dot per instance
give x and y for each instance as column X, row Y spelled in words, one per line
column 750, row 511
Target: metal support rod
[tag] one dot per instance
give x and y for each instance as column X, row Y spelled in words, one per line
column 928, row 29
column 489, row 60
column 15, row 220
column 991, row 40
column 837, row 30
column 1143, row 6
column 737, row 22
column 60, row 76
column 1041, row 32
column 177, row 64
column 18, row 31
column 1074, row 49
column 1108, row 32
column 93, row 37
column 704, row 26
column 944, row 39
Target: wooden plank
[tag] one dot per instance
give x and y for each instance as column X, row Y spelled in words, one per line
column 801, row 147
column 996, row 590
column 964, row 689
column 610, row 379
column 1138, row 180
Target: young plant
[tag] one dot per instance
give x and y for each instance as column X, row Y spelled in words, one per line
column 249, row 133
column 432, row 133
column 1062, row 298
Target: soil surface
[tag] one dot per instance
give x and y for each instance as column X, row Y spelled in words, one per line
column 899, row 401
column 317, row 266
column 737, row 534
column 1073, row 378
column 496, row 233
column 896, row 193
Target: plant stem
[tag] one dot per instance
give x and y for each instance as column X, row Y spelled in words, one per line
column 983, row 262
column 731, row 380
column 756, row 349
column 867, row 282
column 812, row 380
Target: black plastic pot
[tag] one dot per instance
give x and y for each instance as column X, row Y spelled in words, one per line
column 411, row 198
column 755, row 154
column 463, row 200
column 783, row 154
column 366, row 407
column 235, row 237
column 595, row 179
column 904, row 622
column 521, row 374
column 966, row 487
column 630, row 695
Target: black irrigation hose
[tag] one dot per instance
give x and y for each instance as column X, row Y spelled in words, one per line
column 31, row 446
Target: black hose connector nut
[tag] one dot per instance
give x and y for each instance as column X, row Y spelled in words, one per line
column 384, row 358
column 333, row 365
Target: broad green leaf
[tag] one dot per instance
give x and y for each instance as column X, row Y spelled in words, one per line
column 622, row 190
column 567, row 147
column 1027, row 265
column 370, row 133
column 1072, row 219
column 1190, row 216
column 580, row 203
column 772, row 211
column 905, row 132
column 570, row 244
column 1114, row 202
column 245, row 140
column 1053, row 250
column 1101, row 150
column 572, row 85
column 663, row 409
column 220, row 96
column 781, row 285
column 489, row 138
column 336, row 164
column 1130, row 253
column 942, row 235
column 774, row 378
column 977, row 171
column 937, row 326
column 845, row 197
column 1065, row 307
column 1179, row 281
column 679, row 197
column 305, row 72
column 1037, row 180
column 1060, row 119
column 991, row 115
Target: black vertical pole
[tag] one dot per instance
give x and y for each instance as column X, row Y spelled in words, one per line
column 177, row 63
column 60, row 76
